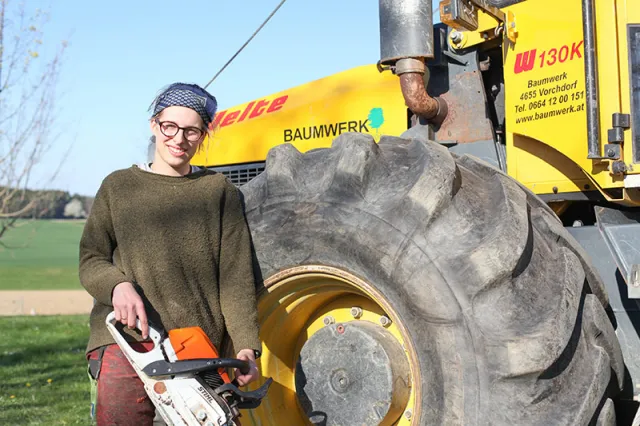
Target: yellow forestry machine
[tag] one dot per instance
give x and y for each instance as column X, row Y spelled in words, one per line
column 451, row 236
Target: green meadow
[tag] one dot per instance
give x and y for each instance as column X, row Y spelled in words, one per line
column 43, row 372
column 41, row 255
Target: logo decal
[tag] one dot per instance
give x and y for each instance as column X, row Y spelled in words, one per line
column 525, row 61
column 376, row 118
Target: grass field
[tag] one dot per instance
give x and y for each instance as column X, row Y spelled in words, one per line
column 43, row 379
column 41, row 255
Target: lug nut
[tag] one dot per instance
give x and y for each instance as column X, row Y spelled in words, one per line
column 356, row 312
column 456, row 36
column 408, row 414
column 328, row 320
column 202, row 415
column 385, row 322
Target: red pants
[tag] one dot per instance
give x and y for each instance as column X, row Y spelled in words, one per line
column 121, row 398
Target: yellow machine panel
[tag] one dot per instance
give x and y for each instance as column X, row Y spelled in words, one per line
column 308, row 116
column 544, row 75
column 545, row 101
column 545, row 94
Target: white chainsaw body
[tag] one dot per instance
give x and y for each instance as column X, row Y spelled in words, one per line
column 182, row 399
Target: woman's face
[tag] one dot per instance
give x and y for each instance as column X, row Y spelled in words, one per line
column 179, row 131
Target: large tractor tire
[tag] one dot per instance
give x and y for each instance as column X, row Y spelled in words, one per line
column 404, row 285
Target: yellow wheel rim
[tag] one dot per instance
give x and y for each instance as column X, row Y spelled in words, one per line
column 296, row 304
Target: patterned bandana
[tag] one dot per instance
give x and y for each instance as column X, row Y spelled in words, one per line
column 189, row 96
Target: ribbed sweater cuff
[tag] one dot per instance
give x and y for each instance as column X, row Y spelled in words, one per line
column 247, row 342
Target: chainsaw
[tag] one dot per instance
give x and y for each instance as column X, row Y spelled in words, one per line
column 186, row 379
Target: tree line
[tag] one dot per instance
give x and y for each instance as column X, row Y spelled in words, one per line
column 48, row 204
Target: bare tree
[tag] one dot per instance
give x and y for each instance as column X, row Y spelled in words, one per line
column 28, row 79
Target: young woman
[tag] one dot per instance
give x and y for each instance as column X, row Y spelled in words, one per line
column 168, row 243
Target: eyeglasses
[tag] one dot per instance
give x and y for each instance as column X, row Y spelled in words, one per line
column 170, row 129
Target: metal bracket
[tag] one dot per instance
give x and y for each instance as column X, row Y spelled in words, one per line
column 457, row 82
column 463, row 14
column 615, row 135
column 612, row 151
column 619, row 123
column 621, row 120
column 490, row 9
column 455, row 58
column 512, row 29
column 621, row 231
column 471, row 27
column 459, row 14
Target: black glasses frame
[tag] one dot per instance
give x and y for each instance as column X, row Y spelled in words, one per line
column 161, row 123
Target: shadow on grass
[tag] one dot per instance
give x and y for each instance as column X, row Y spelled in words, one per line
column 62, row 362
column 35, row 353
column 43, row 377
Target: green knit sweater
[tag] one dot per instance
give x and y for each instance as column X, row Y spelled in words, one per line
column 183, row 242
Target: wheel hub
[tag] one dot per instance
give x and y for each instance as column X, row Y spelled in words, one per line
column 352, row 373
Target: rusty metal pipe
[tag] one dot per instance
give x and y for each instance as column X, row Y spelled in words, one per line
column 406, row 41
column 411, row 72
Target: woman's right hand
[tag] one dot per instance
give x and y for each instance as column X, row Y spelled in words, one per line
column 128, row 306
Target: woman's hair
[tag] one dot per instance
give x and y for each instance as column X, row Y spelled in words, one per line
column 186, row 95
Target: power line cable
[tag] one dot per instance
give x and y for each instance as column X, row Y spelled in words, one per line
column 246, row 43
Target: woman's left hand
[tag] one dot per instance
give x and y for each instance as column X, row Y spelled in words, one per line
column 245, row 379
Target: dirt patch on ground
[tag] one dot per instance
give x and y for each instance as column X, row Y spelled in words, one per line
column 45, row 302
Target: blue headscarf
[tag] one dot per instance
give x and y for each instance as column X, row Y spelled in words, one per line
column 189, row 96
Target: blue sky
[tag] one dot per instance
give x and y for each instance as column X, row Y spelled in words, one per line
column 122, row 52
